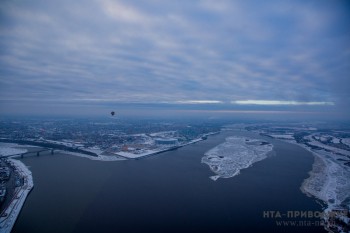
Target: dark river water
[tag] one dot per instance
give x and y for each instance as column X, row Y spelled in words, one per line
column 168, row 192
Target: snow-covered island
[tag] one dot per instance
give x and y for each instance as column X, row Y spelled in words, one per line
column 236, row 153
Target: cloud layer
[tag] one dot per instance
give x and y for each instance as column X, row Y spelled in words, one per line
column 177, row 52
column 278, row 102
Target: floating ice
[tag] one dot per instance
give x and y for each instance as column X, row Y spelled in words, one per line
column 237, row 153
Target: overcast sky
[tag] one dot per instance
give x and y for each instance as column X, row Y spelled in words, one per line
column 255, row 55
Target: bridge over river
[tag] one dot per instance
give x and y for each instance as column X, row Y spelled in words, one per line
column 37, row 152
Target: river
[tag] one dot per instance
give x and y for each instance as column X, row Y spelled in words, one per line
column 168, row 192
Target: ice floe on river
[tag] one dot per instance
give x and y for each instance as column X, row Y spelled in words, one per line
column 236, row 153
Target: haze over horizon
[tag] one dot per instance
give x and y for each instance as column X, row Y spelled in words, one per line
column 213, row 57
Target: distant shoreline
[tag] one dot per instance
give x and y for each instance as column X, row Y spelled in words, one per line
column 320, row 172
column 147, row 154
column 93, row 156
column 46, row 144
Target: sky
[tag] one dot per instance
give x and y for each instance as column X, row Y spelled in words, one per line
column 89, row 56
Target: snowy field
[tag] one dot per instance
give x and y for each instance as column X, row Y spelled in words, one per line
column 98, row 158
column 329, row 181
column 8, row 149
column 227, row 159
column 329, row 178
column 144, row 153
column 326, row 147
column 282, row 136
column 346, row 141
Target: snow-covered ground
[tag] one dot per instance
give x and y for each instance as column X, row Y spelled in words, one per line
column 138, row 155
column 327, row 147
column 148, row 140
column 98, row 158
column 335, row 140
column 329, row 181
column 131, row 155
column 282, row 136
column 94, row 149
column 162, row 134
column 237, row 153
column 125, row 155
column 65, row 142
column 8, row 149
column 11, row 213
column 329, row 178
column 346, row 141
column 144, row 153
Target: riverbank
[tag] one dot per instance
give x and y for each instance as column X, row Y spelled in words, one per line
column 129, row 155
column 328, row 182
column 9, row 215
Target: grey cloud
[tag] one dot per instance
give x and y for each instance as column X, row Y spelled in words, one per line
column 165, row 51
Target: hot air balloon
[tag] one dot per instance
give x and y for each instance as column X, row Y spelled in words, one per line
column 112, row 113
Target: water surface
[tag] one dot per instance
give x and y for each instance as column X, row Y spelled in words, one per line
column 168, row 192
